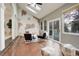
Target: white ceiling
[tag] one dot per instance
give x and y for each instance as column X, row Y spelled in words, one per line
column 46, row 8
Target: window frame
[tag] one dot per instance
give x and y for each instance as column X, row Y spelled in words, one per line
column 70, row 33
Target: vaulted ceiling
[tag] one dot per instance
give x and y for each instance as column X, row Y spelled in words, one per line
column 46, row 8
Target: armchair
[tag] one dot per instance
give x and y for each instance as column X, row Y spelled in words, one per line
column 28, row 37
column 43, row 36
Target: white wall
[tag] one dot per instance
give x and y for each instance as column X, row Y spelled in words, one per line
column 14, row 22
column 27, row 19
column 2, row 36
column 7, row 17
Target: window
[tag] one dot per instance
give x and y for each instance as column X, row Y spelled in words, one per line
column 50, row 29
column 41, row 26
column 71, row 20
column 45, row 25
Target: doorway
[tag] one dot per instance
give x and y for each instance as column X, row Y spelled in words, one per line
column 54, row 29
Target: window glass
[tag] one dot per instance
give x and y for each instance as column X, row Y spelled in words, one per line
column 45, row 25
column 71, row 20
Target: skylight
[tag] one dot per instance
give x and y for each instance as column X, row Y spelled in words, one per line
column 31, row 9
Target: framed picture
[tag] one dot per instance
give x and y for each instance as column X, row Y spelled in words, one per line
column 23, row 12
column 71, row 20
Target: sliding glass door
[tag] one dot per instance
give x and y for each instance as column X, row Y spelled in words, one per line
column 54, row 29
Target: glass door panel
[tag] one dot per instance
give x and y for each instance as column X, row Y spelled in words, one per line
column 56, row 30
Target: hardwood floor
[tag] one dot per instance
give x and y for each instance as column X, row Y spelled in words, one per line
column 22, row 48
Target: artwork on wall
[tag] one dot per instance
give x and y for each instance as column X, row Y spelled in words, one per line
column 71, row 20
column 23, row 12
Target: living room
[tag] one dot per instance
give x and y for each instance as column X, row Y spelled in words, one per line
column 46, row 18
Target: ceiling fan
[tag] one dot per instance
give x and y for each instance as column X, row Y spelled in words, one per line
column 35, row 4
column 39, row 3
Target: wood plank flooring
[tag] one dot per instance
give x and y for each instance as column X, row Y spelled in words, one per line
column 22, row 48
